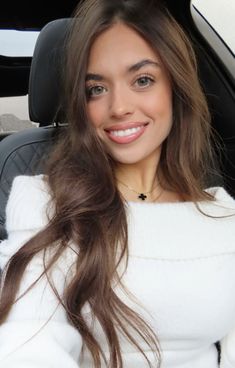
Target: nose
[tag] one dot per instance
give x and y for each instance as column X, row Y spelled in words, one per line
column 121, row 103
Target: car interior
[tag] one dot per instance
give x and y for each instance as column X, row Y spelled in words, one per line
column 40, row 77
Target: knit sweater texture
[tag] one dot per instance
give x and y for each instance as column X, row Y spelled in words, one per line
column 181, row 275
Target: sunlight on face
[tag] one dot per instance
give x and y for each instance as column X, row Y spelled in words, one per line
column 129, row 97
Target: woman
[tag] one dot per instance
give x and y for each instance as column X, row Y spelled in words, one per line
column 120, row 256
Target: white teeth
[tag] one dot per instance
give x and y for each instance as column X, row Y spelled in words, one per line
column 124, row 133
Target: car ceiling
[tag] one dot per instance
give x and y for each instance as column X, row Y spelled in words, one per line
column 34, row 15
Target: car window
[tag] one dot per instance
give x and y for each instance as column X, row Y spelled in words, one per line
column 17, row 43
column 220, row 15
column 215, row 20
column 14, row 114
column 14, row 110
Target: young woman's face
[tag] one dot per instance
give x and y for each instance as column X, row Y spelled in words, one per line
column 129, row 96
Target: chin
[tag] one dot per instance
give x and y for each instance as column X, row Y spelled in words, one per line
column 128, row 160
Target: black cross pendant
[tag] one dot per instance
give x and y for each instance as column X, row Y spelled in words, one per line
column 142, row 196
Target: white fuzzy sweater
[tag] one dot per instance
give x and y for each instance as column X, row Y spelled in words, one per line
column 181, row 270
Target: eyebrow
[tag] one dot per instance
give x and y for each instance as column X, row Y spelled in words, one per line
column 140, row 64
column 131, row 69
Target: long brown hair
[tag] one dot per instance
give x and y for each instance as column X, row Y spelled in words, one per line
column 89, row 210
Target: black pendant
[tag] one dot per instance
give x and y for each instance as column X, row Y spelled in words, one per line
column 142, row 196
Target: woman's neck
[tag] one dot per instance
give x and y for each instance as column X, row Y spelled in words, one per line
column 138, row 181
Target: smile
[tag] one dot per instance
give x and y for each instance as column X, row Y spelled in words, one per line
column 124, row 133
column 128, row 135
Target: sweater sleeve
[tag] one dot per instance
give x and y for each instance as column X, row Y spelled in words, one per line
column 228, row 350
column 37, row 333
column 227, row 344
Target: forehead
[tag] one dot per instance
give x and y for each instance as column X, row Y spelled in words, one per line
column 119, row 46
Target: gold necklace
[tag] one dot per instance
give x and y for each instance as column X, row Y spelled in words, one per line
column 141, row 195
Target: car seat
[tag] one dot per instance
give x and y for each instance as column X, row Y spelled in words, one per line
column 23, row 153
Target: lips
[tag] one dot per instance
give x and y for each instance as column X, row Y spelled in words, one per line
column 125, row 133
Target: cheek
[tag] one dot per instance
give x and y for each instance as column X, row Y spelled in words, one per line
column 159, row 107
column 165, row 104
column 160, row 111
column 96, row 114
column 159, row 99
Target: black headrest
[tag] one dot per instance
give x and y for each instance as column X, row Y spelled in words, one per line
column 46, row 73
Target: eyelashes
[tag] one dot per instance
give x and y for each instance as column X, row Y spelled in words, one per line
column 95, row 90
column 144, row 81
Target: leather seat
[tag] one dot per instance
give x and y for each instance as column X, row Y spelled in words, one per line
column 23, row 153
